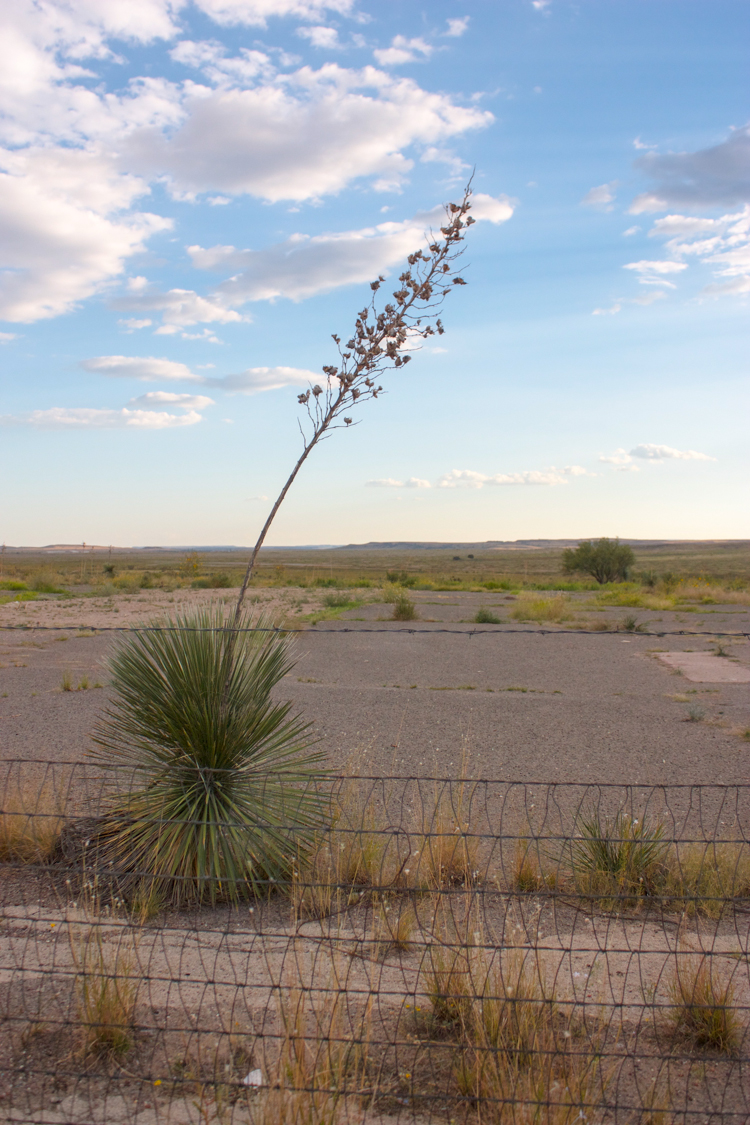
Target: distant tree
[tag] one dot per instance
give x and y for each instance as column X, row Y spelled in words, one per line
column 606, row 560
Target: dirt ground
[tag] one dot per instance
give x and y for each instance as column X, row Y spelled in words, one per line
column 514, row 701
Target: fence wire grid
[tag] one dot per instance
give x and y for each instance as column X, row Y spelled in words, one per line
column 415, row 950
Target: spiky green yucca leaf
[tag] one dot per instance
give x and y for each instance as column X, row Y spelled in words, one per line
column 220, row 792
column 622, row 856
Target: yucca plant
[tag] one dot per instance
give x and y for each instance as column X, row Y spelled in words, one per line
column 221, row 796
column 617, row 859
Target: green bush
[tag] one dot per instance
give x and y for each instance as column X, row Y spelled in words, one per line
column 12, row 584
column 606, row 560
column 212, row 582
column 486, row 617
column 221, row 801
column 404, row 609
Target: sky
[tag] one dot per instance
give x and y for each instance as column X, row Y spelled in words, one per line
column 195, row 195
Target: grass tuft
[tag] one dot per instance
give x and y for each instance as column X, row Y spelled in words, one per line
column 702, row 998
column 404, row 609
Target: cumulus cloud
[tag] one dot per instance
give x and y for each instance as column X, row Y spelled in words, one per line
column 602, row 196
column 718, row 176
column 617, row 306
column 389, row 482
column 256, row 379
column 180, row 308
column 304, row 135
column 62, row 231
column 319, row 36
column 649, row 452
column 142, row 413
column 457, row 27
column 303, row 266
column 78, row 157
column 403, row 50
column 256, row 13
column 468, row 478
column 655, row 272
column 150, row 369
column 144, row 368
column 154, row 399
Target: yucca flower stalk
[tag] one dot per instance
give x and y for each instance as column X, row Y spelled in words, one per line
column 215, row 793
column 377, row 344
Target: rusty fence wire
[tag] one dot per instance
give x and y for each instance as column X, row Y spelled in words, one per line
column 426, row 950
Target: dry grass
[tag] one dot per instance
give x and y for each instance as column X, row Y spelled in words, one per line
column 106, row 987
column 514, row 1052
column 30, row 823
column 705, row 878
column 531, row 607
column 324, row 1058
column 703, row 997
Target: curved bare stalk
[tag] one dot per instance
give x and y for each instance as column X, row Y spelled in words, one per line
column 376, row 345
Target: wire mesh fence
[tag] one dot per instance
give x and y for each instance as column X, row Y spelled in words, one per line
column 415, row 949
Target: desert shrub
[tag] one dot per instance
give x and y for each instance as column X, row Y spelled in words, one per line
column 485, row 616
column 12, row 584
column 337, row 601
column 221, row 797
column 42, row 582
column 606, row 560
column 400, row 578
column 404, row 609
column 212, row 582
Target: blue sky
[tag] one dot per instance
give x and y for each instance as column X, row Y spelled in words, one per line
column 193, row 197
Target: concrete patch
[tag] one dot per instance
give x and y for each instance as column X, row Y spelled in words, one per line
column 705, row 668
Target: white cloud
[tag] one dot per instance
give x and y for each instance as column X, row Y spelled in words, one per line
column 654, row 453
column 304, row 135
column 6, row 337
column 468, row 478
column 655, row 272
column 326, row 38
column 540, row 5
column 390, row 482
column 79, row 156
column 457, row 27
column 256, row 13
column 711, row 177
column 66, row 418
column 304, row 266
column 154, row 399
column 256, row 379
column 62, row 230
column 646, row 299
column 602, row 196
column 649, row 452
column 180, row 308
column 130, row 324
column 575, row 471
column 722, row 243
column 631, row 230
column 403, row 50
column 144, row 368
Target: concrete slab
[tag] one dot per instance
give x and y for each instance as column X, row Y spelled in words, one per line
column 705, row 668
